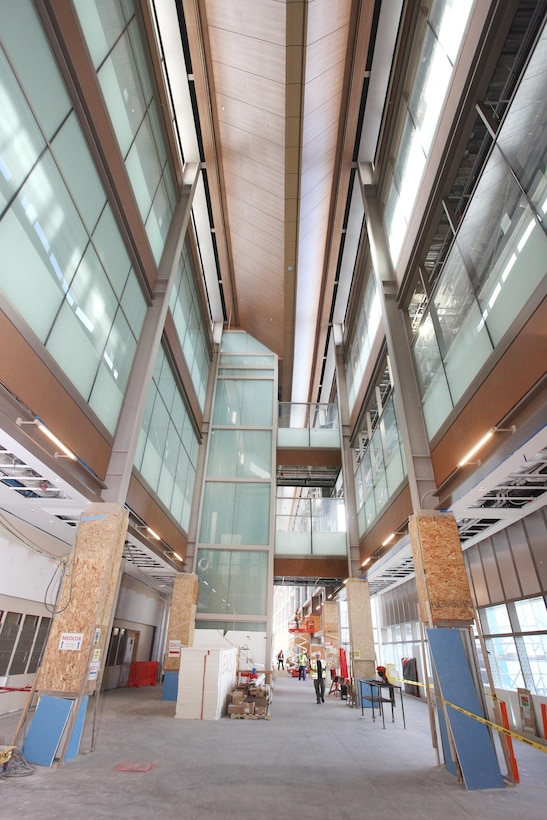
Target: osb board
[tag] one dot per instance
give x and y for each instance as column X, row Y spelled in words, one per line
column 331, row 623
column 360, row 618
column 441, row 578
column 86, row 599
column 182, row 617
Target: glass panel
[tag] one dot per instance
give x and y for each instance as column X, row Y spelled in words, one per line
column 241, row 403
column 73, row 158
column 429, row 89
column 49, row 241
column 449, row 20
column 143, row 168
column 532, row 614
column 409, row 167
column 498, row 620
column 504, row 663
column 112, row 251
column 21, row 142
column 235, row 514
column 247, row 361
column 35, row 67
column 232, row 581
column 240, row 453
column 463, row 336
column 523, row 136
column 102, row 22
column 113, row 375
column 436, row 399
column 536, row 652
column 123, row 94
column 238, row 342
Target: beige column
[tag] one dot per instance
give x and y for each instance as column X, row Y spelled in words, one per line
column 182, row 618
column 444, row 596
column 75, row 651
column 360, row 629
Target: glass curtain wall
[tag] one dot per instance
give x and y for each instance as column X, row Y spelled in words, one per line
column 167, row 450
column 443, row 35
column 497, row 259
column 234, row 556
column 362, row 339
column 185, row 307
column 378, row 457
column 112, row 34
column 65, row 270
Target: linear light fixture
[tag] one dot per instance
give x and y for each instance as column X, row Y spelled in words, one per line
column 178, row 556
column 149, row 530
column 66, row 453
column 388, row 539
column 484, row 440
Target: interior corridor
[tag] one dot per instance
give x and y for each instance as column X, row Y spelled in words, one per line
column 307, row 761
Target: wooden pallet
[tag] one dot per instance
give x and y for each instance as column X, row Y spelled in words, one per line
column 250, row 717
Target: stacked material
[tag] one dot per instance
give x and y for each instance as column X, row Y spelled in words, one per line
column 251, row 702
column 205, row 679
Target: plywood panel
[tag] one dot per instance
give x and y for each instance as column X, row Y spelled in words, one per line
column 182, row 617
column 86, row 600
column 443, row 587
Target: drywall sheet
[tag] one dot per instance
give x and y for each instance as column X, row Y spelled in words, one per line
column 474, row 747
column 47, row 728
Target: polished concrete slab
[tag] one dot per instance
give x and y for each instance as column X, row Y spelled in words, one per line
column 309, row 760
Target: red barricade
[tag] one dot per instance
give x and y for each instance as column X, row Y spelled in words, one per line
column 143, row 673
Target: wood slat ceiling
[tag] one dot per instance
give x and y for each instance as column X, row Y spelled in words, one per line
column 275, row 83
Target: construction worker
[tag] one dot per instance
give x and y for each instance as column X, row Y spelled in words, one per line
column 302, row 664
column 318, row 671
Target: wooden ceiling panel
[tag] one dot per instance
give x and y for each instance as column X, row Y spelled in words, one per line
column 327, row 53
column 254, row 173
column 323, row 122
column 275, row 74
column 248, row 54
column 321, row 20
column 257, row 121
column 265, row 93
column 261, row 19
column 255, row 225
column 251, row 147
column 258, row 197
column 326, row 86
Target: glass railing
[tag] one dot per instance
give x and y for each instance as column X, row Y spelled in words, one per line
column 308, row 425
column 310, row 526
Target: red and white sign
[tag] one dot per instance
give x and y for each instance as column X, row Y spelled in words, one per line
column 71, row 641
column 174, row 649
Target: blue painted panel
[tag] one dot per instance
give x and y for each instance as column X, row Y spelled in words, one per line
column 46, row 729
column 474, row 746
column 76, row 736
column 170, row 688
column 445, row 743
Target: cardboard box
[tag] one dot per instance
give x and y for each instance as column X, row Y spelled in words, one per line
column 248, row 707
column 260, row 703
column 237, row 696
column 235, row 708
column 261, row 710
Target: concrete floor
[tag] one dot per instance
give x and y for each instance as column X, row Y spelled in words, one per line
column 308, row 761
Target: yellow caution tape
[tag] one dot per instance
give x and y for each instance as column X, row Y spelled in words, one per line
column 523, row 739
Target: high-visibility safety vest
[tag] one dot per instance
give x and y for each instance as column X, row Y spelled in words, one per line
column 313, row 668
column 302, row 659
